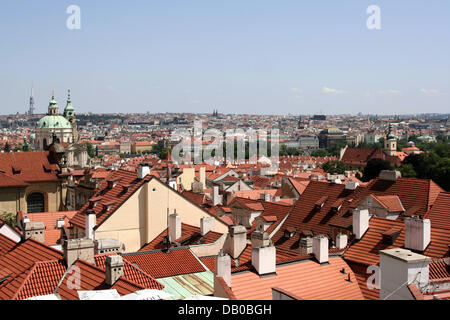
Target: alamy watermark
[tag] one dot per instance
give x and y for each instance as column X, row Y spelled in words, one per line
column 73, row 22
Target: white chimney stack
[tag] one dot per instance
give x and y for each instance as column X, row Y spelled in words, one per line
column 320, row 248
column 202, row 176
column 399, row 268
column 207, row 225
column 174, row 227
column 360, row 222
column 90, row 224
column 264, row 259
column 351, row 185
column 237, row 240
column 143, row 170
column 216, row 196
column 341, row 241
column 417, row 233
column 223, row 267
column 267, row 197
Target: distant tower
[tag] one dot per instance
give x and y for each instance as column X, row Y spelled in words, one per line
column 69, row 114
column 390, row 145
column 31, row 109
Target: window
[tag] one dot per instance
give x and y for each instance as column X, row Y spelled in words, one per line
column 36, row 202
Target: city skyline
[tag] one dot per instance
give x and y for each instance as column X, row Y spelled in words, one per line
column 251, row 58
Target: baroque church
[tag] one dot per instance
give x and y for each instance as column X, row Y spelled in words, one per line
column 59, row 133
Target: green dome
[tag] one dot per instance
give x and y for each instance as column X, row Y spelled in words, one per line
column 54, row 122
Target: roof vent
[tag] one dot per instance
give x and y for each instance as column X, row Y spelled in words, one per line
column 390, row 175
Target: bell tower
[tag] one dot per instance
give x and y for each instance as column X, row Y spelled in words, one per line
column 390, row 144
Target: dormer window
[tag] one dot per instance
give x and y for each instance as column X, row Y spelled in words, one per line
column 319, row 203
column 108, row 205
column 16, row 169
column 289, row 232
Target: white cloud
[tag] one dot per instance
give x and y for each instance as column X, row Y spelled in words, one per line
column 327, row 90
column 430, row 91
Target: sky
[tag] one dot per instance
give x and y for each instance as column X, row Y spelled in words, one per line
column 236, row 56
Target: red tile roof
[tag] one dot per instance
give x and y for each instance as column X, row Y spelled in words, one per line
column 307, row 280
column 160, row 264
column 20, row 263
column 439, row 214
column 190, row 235
column 391, row 202
column 132, row 273
column 366, row 251
column 26, row 167
column 52, row 234
column 92, row 278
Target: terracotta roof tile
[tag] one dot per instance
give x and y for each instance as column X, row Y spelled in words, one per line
column 306, row 279
column 161, row 264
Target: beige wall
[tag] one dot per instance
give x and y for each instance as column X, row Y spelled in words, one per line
column 187, row 178
column 144, row 216
column 14, row 199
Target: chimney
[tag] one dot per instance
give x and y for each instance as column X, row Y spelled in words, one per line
column 399, row 268
column 91, row 220
column 306, row 245
column 75, row 249
column 267, row 197
column 216, row 196
column 351, row 185
column 260, row 239
column 417, row 233
column 264, row 258
column 143, row 170
column 114, row 269
column 174, row 227
column 276, row 199
column 223, row 267
column 320, row 248
column 360, row 222
column 341, row 241
column 238, row 240
column 202, row 176
column 34, row 230
column 207, row 225
column 60, row 223
column 389, row 175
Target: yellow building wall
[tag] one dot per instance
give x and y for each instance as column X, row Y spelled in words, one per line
column 187, row 178
column 144, row 216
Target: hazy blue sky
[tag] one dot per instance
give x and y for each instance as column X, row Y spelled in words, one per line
column 244, row 56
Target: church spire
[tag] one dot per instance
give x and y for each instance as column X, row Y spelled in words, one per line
column 53, row 108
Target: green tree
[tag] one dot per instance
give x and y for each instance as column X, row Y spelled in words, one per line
column 374, row 167
column 7, row 147
column 90, row 149
column 334, row 167
column 408, row 171
column 440, row 173
column 319, row 153
column 10, row 218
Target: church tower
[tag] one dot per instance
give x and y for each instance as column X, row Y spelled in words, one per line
column 390, row 144
column 69, row 114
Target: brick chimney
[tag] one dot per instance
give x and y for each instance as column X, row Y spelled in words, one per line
column 417, row 233
column 320, row 248
column 260, row 239
column 360, row 222
column 114, row 269
column 34, row 230
column 75, row 249
column 306, row 245
column 399, row 268
column 237, row 240
column 174, row 227
column 207, row 224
